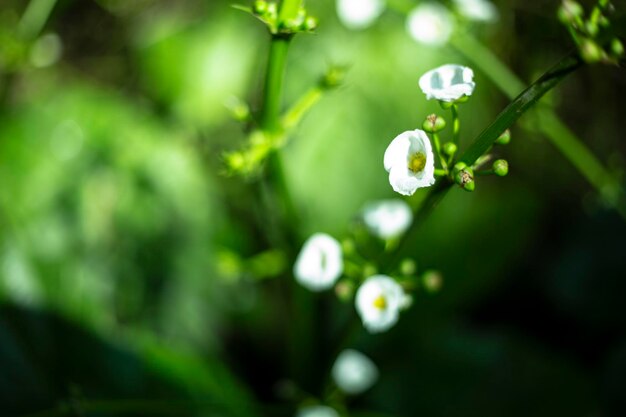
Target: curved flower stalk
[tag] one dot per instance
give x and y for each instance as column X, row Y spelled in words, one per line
column 359, row 14
column 387, row 219
column 477, row 10
column 320, row 263
column 410, row 162
column 378, row 302
column 448, row 83
column 353, row 372
column 430, row 23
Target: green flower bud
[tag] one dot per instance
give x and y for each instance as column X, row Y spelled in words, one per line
column 504, row 138
column 333, row 77
column 433, row 124
column 345, row 290
column 590, row 51
column 408, row 267
column 459, row 166
column 310, row 24
column 272, row 10
column 369, row 270
column 592, row 28
column 617, row 47
column 259, row 7
column 432, row 281
column 569, row 11
column 449, row 148
column 500, row 167
column 465, row 178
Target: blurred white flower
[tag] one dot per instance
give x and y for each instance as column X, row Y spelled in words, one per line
column 359, row 14
column 430, row 23
column 319, row 263
column 378, row 302
column 354, row 372
column 480, row 10
column 387, row 218
column 410, row 162
column 317, row 411
column 448, row 82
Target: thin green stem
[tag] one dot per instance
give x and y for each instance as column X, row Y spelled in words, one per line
column 442, row 159
column 303, row 105
column 34, row 18
column 272, row 93
column 456, row 124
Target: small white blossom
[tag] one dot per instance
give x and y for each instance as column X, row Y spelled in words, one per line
column 479, row 10
column 319, row 263
column 410, row 161
column 317, row 411
column 448, row 82
column 430, row 23
column 378, row 302
column 354, row 372
column 359, row 14
column 387, row 218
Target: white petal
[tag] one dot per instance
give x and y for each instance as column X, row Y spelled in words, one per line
column 387, row 218
column 317, row 411
column 359, row 14
column 479, row 10
column 430, row 23
column 403, row 180
column 374, row 319
column 448, row 82
column 320, row 262
column 354, row 372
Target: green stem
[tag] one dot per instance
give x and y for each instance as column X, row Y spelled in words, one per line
column 34, row 18
column 456, row 124
column 289, row 9
column 442, row 159
column 272, row 94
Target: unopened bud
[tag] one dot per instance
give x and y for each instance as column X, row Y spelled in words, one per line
column 259, row 7
column 617, row 47
column 432, row 281
column 590, row 51
column 504, row 138
column 408, row 267
column 344, row 290
column 569, row 11
column 310, row 23
column 501, row 167
column 433, row 124
column 449, row 148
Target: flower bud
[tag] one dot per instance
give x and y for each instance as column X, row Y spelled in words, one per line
column 590, row 51
column 310, row 23
column 569, row 11
column 464, row 177
column 333, row 77
column 617, row 47
column 345, row 290
column 432, row 281
column 259, row 7
column 501, row 167
column 408, row 267
column 449, row 148
column 504, row 138
column 272, row 10
column 433, row 124
column 369, row 270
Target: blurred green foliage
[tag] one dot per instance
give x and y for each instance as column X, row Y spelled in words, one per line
column 120, row 234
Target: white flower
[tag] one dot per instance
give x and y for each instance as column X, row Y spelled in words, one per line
column 319, row 263
column 448, row 82
column 387, row 218
column 317, row 411
column 430, row 23
column 354, row 372
column 480, row 10
column 359, row 14
column 378, row 302
column 410, row 162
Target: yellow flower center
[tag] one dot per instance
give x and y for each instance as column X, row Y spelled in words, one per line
column 417, row 162
column 380, row 302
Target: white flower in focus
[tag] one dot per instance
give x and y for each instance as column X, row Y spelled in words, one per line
column 359, row 14
column 319, row 263
column 387, row 218
column 317, row 411
column 430, row 24
column 378, row 302
column 354, row 372
column 448, row 82
column 479, row 10
column 410, row 161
